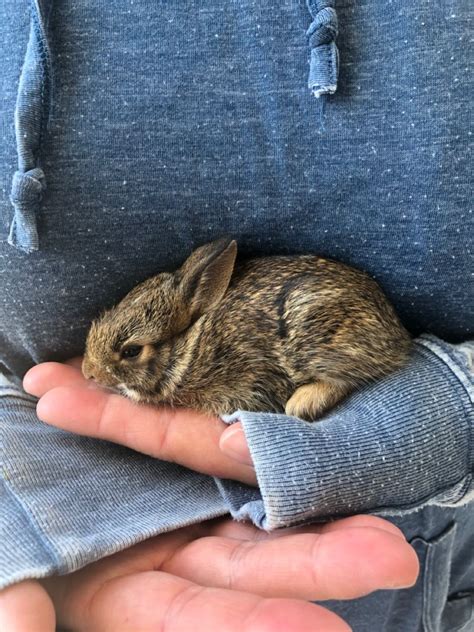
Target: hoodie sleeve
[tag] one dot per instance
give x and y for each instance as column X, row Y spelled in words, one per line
column 395, row 446
column 68, row 500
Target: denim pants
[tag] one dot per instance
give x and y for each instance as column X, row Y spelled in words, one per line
column 134, row 131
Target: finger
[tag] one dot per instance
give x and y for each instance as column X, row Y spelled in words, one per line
column 26, row 607
column 246, row 531
column 363, row 521
column 158, row 601
column 43, row 377
column 342, row 564
column 178, row 435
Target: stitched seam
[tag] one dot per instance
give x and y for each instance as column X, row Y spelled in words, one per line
column 46, row 66
column 20, row 397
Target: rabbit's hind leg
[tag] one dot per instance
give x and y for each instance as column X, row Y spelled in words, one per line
column 310, row 401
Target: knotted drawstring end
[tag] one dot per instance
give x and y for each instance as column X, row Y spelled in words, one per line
column 323, row 70
column 324, row 60
column 27, row 190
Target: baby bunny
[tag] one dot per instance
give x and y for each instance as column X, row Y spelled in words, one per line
column 292, row 333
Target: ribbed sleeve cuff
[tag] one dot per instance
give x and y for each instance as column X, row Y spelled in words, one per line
column 396, row 445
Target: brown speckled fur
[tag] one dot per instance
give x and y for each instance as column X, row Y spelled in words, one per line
column 294, row 333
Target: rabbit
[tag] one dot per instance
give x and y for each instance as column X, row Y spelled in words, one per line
column 283, row 333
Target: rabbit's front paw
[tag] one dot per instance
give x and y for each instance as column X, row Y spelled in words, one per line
column 312, row 400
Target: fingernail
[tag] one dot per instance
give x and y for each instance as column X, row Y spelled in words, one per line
column 234, row 444
column 28, row 387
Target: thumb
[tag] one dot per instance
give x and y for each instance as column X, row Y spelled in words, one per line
column 234, row 444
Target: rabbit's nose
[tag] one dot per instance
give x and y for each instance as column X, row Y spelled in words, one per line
column 87, row 372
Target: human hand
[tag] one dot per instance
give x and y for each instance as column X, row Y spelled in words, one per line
column 220, row 576
column 215, row 570
column 199, row 442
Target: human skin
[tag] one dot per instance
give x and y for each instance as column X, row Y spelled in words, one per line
column 210, row 573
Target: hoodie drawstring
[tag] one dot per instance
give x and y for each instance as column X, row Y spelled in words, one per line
column 32, row 113
column 324, row 61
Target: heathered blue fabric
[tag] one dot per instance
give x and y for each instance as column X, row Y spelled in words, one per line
column 145, row 128
column 82, row 499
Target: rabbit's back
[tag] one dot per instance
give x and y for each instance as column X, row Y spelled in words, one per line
column 289, row 321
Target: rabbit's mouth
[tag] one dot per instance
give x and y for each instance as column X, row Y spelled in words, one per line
column 131, row 393
column 108, row 388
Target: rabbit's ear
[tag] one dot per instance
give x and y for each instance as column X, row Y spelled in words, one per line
column 206, row 274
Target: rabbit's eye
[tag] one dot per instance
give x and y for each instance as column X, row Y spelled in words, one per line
column 132, row 351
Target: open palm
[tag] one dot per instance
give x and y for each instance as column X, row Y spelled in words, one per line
column 223, row 575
